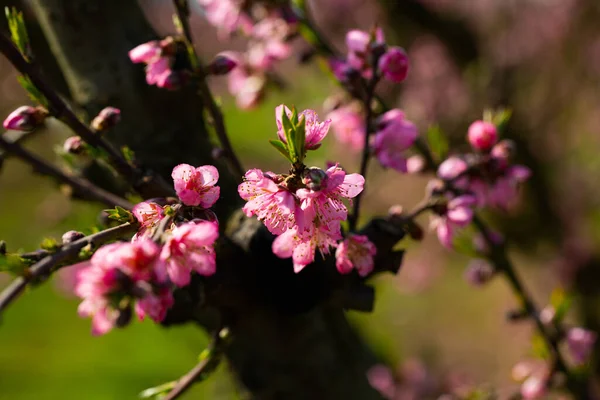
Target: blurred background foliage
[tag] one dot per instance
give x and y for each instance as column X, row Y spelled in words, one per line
column 539, row 57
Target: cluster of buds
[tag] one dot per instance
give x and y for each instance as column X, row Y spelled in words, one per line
column 25, row 118
column 305, row 208
column 141, row 273
column 368, row 53
column 160, row 57
column 484, row 178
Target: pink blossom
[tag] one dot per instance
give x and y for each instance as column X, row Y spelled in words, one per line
column 268, row 44
column 357, row 252
column 301, row 245
column 394, row 64
column 325, row 207
column 148, row 215
column 246, row 86
column 24, row 118
column 315, row 130
column 112, row 271
column 348, row 126
column 159, row 73
column 382, row 379
column 190, row 247
column 196, row 186
column 580, row 343
column 534, row 387
column 357, row 41
column 459, row 213
column 451, row 168
column 226, row 15
column 271, row 203
column 504, row 191
column 482, row 135
column 155, row 305
column 146, row 52
column 394, row 136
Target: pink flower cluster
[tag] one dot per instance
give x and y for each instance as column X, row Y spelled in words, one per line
column 227, row 15
column 365, row 48
column 306, row 211
column 140, row 272
column 486, row 179
column 159, row 57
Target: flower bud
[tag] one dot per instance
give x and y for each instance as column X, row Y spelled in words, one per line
column 534, row 387
column 482, row 135
column 503, row 152
column 217, row 153
column 106, row 119
column 479, row 272
column 74, row 145
column 394, row 64
column 25, row 118
column 71, row 236
column 314, row 178
column 223, row 63
column 580, row 343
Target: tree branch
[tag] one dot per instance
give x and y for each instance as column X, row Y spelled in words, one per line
column 65, row 253
column 182, row 10
column 81, row 186
column 208, row 363
column 60, row 110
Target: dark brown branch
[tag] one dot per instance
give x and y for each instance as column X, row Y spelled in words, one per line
column 181, row 8
column 14, row 137
column 65, row 253
column 59, row 109
column 207, row 364
column 80, row 185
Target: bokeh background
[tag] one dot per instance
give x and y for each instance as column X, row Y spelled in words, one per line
column 539, row 57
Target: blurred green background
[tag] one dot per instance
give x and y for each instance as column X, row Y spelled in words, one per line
column 427, row 312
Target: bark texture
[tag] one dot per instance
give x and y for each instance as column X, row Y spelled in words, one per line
column 291, row 339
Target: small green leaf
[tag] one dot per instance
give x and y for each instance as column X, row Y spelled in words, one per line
column 290, row 134
column 561, row 302
column 50, row 244
column 300, row 142
column 463, row 243
column 438, row 142
column 539, row 348
column 128, row 154
column 281, row 147
column 294, row 118
column 12, row 263
column 18, row 32
column 501, row 118
column 120, row 214
column 32, row 90
column 155, row 392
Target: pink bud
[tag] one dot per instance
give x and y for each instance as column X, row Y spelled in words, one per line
column 223, row 63
column 534, row 387
column 145, row 53
column 479, row 272
column 482, row 135
column 25, row 118
column 394, row 64
column 314, row 178
column 580, row 343
column 71, row 236
column 357, row 41
column 73, row 145
column 107, row 118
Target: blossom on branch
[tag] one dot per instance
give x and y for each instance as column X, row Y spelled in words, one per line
column 196, row 186
column 355, row 252
column 395, row 134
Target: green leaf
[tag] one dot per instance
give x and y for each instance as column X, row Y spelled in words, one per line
column 300, row 142
column 281, row 147
column 120, row 214
column 438, row 142
column 539, row 348
column 18, row 32
column 501, row 118
column 128, row 154
column 290, row 135
column 12, row 263
column 155, row 392
column 32, row 90
column 561, row 302
column 50, row 244
column 463, row 243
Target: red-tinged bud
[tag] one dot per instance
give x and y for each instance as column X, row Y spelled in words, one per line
column 314, row 178
column 25, row 118
column 394, row 64
column 482, row 135
column 479, row 272
column 74, row 145
column 71, row 236
column 223, row 63
column 106, row 119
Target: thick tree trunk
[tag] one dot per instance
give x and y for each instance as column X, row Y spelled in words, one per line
column 290, row 340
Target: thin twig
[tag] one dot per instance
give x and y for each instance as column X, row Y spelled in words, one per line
column 14, row 137
column 181, row 8
column 65, row 253
column 81, row 186
column 59, row 109
column 207, row 364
